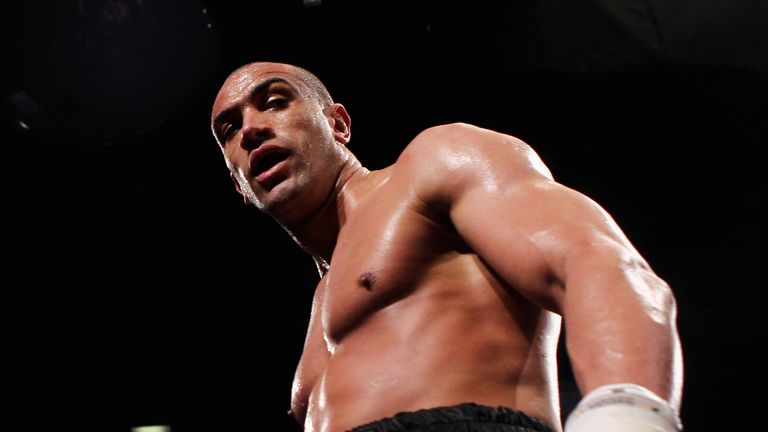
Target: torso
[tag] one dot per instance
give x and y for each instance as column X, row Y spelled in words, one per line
column 408, row 317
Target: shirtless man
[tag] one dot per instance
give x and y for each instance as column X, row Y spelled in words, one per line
column 445, row 275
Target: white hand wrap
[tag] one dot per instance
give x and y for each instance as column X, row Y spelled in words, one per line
column 623, row 408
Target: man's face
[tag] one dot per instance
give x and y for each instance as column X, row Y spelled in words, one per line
column 276, row 140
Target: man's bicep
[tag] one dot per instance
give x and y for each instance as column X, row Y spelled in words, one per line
column 526, row 231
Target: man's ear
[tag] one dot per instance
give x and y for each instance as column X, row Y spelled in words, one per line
column 338, row 118
column 237, row 186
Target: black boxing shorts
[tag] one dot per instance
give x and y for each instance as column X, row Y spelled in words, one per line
column 468, row 417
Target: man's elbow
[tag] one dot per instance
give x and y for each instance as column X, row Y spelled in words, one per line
column 655, row 294
column 612, row 270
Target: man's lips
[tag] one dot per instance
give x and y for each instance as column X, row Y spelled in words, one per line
column 273, row 176
column 264, row 159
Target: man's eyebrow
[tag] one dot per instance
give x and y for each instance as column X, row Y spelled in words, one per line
column 258, row 88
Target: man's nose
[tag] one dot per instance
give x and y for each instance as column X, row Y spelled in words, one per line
column 256, row 128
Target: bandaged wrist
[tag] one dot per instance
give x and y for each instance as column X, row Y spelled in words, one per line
column 623, row 408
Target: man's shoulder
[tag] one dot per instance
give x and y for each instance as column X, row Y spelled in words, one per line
column 458, row 136
column 447, row 159
column 461, row 146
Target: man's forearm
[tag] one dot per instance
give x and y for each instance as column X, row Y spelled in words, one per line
column 620, row 326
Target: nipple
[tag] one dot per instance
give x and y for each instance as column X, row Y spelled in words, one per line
column 366, row 281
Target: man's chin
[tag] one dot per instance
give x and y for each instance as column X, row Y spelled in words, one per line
column 278, row 202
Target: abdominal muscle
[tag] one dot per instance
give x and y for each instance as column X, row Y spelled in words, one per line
column 444, row 344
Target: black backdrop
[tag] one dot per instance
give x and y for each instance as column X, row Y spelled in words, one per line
column 139, row 289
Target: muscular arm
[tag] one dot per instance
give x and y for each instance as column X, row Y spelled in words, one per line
column 559, row 249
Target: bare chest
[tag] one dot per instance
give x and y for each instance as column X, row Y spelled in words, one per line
column 383, row 252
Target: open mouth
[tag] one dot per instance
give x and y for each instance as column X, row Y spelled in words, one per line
column 268, row 161
column 266, row 157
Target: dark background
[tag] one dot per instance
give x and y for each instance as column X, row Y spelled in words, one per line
column 139, row 289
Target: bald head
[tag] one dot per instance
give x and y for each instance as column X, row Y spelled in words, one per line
column 316, row 87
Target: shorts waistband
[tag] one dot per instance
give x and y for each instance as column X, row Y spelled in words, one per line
column 467, row 412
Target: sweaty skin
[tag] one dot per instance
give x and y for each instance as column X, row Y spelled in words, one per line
column 444, row 275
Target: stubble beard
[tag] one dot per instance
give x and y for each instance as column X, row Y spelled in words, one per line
column 283, row 202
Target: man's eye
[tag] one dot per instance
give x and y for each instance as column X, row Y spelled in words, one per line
column 227, row 130
column 277, row 102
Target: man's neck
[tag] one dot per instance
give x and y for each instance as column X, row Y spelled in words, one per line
column 317, row 234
